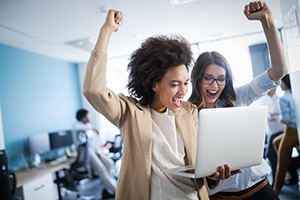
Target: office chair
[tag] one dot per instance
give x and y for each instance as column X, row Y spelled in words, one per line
column 80, row 169
column 8, row 179
column 13, row 177
column 116, row 149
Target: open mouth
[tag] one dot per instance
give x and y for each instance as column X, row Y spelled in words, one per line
column 212, row 93
column 177, row 102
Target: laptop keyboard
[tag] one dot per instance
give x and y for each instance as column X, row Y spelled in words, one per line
column 189, row 171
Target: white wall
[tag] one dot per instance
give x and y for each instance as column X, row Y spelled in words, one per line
column 116, row 76
column 93, row 115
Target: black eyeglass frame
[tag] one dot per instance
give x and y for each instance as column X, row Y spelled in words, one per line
column 213, row 80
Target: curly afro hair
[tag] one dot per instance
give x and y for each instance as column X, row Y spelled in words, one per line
column 151, row 61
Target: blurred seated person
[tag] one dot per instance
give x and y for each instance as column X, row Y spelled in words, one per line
column 274, row 128
column 274, row 115
column 101, row 164
column 283, row 144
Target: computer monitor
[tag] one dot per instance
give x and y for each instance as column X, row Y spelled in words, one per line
column 60, row 139
column 39, row 143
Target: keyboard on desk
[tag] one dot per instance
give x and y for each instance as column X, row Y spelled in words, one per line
column 58, row 160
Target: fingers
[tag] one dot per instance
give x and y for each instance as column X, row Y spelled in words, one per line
column 221, row 170
column 118, row 17
column 261, row 4
column 227, row 171
column 214, row 177
column 247, row 11
column 255, row 6
column 236, row 172
column 257, row 10
column 224, row 172
column 114, row 19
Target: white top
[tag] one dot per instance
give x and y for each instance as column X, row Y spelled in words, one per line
column 245, row 95
column 274, row 105
column 94, row 139
column 274, row 118
column 274, row 124
column 168, row 152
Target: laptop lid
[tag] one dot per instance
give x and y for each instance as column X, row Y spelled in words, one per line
column 233, row 136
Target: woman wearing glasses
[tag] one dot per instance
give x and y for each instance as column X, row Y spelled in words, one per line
column 212, row 88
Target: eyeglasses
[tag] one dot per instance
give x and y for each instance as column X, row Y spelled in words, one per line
column 208, row 80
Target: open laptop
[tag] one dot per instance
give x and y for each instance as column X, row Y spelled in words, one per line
column 233, row 136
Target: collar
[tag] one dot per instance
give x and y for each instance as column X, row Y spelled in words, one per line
column 141, row 106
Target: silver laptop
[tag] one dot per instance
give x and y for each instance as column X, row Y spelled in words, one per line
column 233, row 136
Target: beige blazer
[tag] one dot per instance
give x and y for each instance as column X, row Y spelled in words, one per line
column 134, row 122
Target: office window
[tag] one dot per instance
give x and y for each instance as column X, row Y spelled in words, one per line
column 259, row 58
column 236, row 51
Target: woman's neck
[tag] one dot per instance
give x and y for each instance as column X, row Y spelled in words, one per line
column 210, row 105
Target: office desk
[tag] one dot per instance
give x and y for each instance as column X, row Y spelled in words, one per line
column 27, row 176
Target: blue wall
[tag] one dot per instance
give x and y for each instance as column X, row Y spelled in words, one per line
column 37, row 94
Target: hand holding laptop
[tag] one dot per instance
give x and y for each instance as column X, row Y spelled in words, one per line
column 222, row 173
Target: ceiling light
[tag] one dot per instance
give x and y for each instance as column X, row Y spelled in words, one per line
column 85, row 44
column 176, row 2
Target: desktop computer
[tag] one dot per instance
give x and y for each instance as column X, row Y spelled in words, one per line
column 60, row 139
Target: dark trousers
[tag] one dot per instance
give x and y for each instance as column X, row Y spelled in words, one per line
column 272, row 155
column 259, row 192
column 267, row 193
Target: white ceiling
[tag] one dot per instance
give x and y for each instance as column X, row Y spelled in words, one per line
column 44, row 26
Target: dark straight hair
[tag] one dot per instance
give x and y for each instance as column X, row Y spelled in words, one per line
column 227, row 96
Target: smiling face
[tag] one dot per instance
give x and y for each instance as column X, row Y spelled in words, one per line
column 212, row 92
column 169, row 92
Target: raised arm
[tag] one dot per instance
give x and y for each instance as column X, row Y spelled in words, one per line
column 99, row 96
column 259, row 10
column 112, row 24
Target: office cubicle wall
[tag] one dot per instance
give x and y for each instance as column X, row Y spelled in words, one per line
column 291, row 18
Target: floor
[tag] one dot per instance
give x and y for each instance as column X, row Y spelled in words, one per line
column 291, row 192
column 93, row 190
column 89, row 190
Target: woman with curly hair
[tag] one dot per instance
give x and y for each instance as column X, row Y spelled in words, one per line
column 158, row 128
